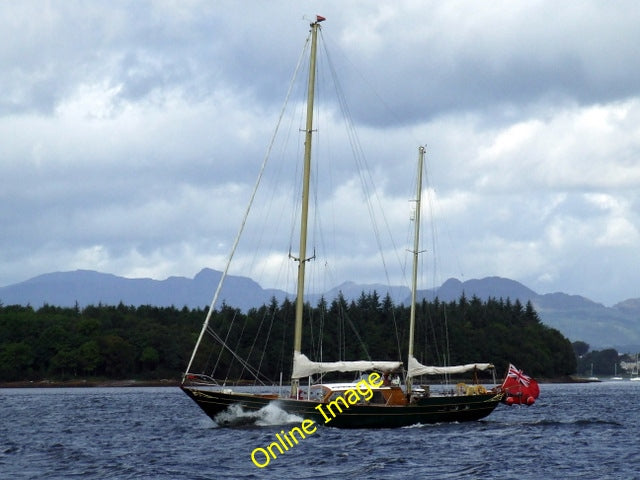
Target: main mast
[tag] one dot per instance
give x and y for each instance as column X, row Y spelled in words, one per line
column 415, row 252
column 302, row 259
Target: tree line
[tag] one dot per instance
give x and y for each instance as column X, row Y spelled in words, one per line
column 607, row 362
column 148, row 342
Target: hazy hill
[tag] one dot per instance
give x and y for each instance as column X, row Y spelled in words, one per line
column 578, row 318
column 88, row 287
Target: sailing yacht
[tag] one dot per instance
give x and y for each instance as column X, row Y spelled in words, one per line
column 381, row 404
column 635, row 377
column 615, row 377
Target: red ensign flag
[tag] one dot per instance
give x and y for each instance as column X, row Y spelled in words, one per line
column 519, row 388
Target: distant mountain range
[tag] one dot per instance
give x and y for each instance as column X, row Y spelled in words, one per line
column 578, row 318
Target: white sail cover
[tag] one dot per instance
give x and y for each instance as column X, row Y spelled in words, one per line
column 416, row 368
column 303, row 367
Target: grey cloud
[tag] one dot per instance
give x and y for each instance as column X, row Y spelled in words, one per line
column 130, row 133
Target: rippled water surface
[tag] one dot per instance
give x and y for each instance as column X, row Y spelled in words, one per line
column 573, row 431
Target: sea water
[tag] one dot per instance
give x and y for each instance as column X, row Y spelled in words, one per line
column 587, row 431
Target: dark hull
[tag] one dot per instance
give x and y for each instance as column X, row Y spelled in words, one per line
column 463, row 408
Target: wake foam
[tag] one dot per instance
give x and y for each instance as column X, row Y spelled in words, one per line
column 271, row 414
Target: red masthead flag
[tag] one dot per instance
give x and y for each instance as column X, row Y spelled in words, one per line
column 519, row 388
column 320, row 18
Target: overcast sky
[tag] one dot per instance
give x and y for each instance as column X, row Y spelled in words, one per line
column 131, row 134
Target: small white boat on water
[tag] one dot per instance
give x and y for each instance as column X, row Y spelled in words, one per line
column 634, row 373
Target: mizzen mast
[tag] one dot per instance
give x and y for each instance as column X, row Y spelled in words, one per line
column 415, row 252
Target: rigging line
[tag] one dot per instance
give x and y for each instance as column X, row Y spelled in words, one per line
column 244, row 219
column 233, row 320
column 297, row 194
column 285, row 144
column 228, row 374
column 365, row 79
column 325, row 236
column 446, row 334
column 255, row 339
column 321, row 345
column 431, row 204
column 264, row 350
column 393, row 114
column 323, row 312
column 208, row 361
column 435, row 213
column 237, row 347
column 244, row 363
column 355, row 331
column 365, row 180
column 282, row 319
column 432, row 318
column 311, row 328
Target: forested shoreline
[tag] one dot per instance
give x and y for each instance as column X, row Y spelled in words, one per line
column 149, row 343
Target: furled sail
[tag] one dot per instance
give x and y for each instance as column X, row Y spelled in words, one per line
column 416, row 368
column 303, row 367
